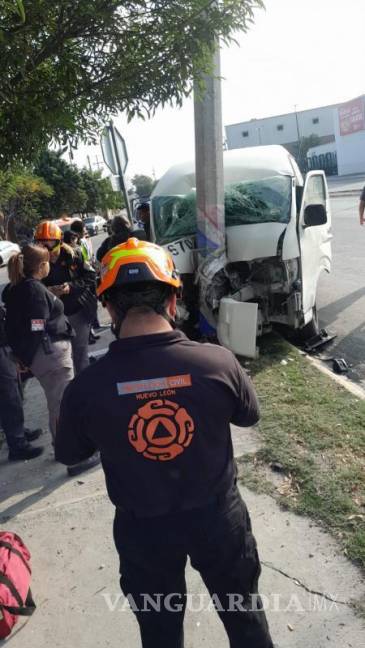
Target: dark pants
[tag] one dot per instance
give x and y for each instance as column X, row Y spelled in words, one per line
column 219, row 541
column 11, row 405
column 80, row 342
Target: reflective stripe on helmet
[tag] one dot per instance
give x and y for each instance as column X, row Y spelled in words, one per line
column 156, row 260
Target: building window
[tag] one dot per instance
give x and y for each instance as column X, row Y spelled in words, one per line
column 280, row 127
column 244, row 133
column 315, row 120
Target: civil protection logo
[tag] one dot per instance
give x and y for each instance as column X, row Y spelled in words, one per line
column 161, row 430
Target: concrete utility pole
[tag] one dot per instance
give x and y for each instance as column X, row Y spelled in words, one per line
column 209, row 167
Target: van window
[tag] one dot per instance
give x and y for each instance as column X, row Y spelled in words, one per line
column 315, row 193
column 267, row 200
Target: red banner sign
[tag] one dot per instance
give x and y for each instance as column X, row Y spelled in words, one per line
column 351, row 116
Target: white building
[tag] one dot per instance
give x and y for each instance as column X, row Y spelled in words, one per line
column 349, row 123
column 339, row 127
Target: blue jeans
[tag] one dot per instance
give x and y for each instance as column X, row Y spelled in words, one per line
column 11, row 405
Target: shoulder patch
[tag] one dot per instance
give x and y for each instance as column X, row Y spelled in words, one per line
column 37, row 325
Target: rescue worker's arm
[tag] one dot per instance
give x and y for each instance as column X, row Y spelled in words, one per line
column 71, row 444
column 247, row 410
column 38, row 312
column 83, row 284
column 83, row 275
column 103, row 249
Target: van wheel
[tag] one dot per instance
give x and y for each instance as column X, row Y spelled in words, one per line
column 311, row 329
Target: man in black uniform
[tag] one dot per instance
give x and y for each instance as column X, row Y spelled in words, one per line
column 143, row 214
column 121, row 232
column 362, row 207
column 158, row 407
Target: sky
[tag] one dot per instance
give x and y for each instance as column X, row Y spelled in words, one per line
column 308, row 53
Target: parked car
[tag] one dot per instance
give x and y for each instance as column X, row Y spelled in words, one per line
column 7, row 249
column 94, row 224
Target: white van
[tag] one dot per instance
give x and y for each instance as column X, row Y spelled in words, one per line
column 278, row 234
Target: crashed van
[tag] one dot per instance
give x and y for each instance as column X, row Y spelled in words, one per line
column 278, row 242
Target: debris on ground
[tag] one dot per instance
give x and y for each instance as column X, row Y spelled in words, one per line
column 319, row 340
column 340, row 366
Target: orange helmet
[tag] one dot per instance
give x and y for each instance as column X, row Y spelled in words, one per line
column 134, row 262
column 48, row 231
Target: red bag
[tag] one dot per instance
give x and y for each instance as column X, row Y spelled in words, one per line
column 15, row 595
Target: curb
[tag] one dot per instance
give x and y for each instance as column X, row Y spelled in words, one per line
column 344, row 194
column 356, row 390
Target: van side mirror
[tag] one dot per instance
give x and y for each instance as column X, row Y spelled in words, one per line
column 315, row 215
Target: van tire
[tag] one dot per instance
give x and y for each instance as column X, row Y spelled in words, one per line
column 312, row 328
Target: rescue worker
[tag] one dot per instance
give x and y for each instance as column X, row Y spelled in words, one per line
column 86, row 247
column 11, row 405
column 37, row 329
column 143, row 214
column 121, row 232
column 158, row 407
column 39, row 333
column 362, row 207
column 72, row 280
column 71, row 239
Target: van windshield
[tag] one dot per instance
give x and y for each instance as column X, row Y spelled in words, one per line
column 267, row 200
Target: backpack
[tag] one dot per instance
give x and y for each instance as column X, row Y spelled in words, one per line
column 15, row 572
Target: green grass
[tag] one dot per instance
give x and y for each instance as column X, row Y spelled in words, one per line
column 316, row 429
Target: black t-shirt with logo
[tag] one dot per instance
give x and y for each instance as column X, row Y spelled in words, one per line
column 362, row 197
column 158, row 407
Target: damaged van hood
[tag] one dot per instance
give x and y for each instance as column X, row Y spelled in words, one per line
column 256, row 241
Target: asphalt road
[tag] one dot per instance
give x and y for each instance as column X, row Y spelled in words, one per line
column 341, row 298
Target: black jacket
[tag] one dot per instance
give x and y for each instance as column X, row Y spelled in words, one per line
column 117, row 239
column 159, row 408
column 71, row 268
column 33, row 313
column 3, row 338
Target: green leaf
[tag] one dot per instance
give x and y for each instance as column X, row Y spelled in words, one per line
column 21, row 10
column 68, row 66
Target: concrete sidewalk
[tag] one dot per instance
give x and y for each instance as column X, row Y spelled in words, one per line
column 308, row 586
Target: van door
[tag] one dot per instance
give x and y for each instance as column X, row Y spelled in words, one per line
column 314, row 233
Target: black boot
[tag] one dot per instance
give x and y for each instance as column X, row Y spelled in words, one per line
column 81, row 467
column 93, row 337
column 32, row 435
column 25, row 453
